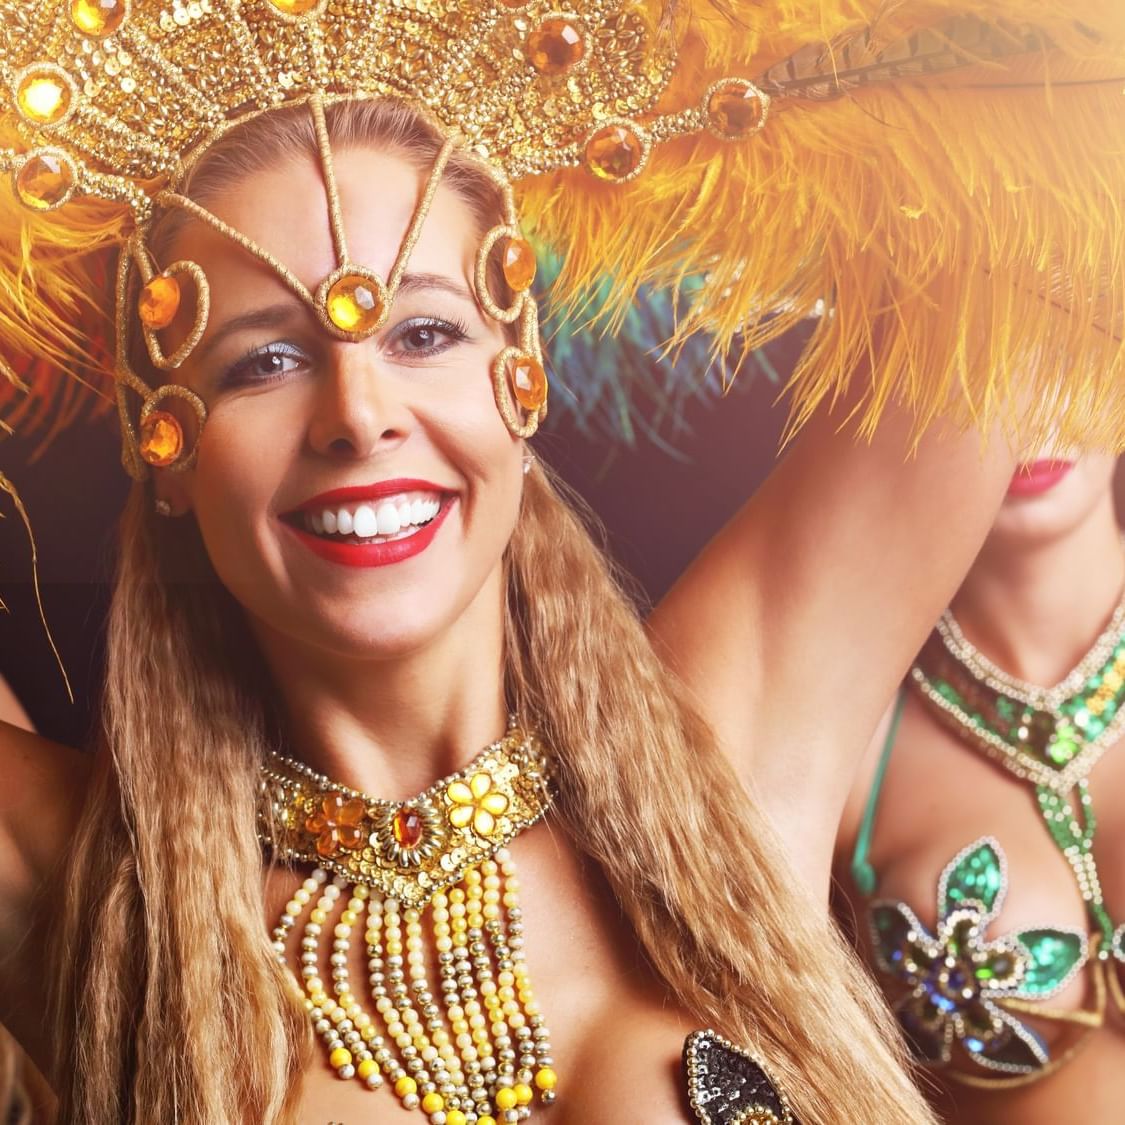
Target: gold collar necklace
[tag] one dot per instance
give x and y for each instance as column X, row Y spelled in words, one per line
column 476, row 1051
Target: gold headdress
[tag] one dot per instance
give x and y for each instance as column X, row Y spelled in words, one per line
column 941, row 177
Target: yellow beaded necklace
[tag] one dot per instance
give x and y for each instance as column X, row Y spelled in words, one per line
column 477, row 1051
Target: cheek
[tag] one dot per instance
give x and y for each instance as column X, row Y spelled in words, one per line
column 242, row 458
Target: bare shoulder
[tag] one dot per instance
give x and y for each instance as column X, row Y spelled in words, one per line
column 42, row 785
column 41, row 788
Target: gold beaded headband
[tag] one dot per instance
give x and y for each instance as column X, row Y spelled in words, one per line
column 875, row 202
column 351, row 303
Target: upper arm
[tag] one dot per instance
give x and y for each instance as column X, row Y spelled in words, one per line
column 795, row 625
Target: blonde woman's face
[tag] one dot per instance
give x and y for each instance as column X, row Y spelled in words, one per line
column 312, row 443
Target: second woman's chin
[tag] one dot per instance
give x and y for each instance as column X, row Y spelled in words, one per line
column 1051, row 501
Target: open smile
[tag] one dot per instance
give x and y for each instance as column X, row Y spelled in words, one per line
column 371, row 526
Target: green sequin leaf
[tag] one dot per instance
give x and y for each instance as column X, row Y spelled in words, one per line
column 976, row 875
column 1054, row 956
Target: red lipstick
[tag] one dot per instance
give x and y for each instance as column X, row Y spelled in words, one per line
column 359, row 553
column 1037, row 477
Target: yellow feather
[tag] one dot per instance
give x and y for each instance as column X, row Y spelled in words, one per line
column 965, row 229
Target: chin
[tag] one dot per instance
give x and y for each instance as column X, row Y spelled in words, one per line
column 1053, row 515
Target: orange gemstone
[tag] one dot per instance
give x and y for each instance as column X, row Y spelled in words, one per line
column 294, row 7
column 97, row 18
column 556, row 45
column 162, row 439
column 528, row 381
column 44, row 181
column 407, row 828
column 355, row 305
column 519, row 264
column 735, row 109
column 43, row 96
column 615, row 152
column 159, row 302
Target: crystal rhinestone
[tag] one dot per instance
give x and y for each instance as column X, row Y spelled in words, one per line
column 354, row 304
column 294, row 7
column 159, row 302
column 44, row 181
column 43, row 96
column 407, row 828
column 162, row 439
column 528, row 381
column 735, row 109
column 556, row 45
column 615, row 152
column 519, row 264
column 97, row 18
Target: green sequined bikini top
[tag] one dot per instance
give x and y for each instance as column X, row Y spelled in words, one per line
column 962, row 997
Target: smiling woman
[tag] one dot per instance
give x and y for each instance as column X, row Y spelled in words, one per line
column 343, row 572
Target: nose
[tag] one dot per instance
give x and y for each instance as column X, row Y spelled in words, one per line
column 359, row 410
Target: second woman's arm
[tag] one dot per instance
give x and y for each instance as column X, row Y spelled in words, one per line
column 794, row 625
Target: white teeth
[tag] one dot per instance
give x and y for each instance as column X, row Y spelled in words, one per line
column 366, row 521
column 387, row 515
column 365, row 526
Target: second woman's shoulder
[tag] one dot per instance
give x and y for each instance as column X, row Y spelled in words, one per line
column 42, row 785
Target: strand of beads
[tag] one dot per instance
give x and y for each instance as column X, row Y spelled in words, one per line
column 482, row 1067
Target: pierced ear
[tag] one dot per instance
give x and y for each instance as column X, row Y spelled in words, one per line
column 171, row 493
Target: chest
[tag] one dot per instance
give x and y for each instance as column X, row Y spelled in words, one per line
column 614, row 1036
column 940, row 796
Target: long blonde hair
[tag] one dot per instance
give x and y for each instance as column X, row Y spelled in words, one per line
column 169, row 1004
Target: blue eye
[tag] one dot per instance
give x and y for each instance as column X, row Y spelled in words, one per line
column 263, row 364
column 426, row 336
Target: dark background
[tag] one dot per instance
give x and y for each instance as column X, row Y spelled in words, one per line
column 660, row 498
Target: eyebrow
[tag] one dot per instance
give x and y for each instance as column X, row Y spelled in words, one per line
column 273, row 316
column 412, row 282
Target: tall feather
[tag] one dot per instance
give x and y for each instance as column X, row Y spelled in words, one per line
column 956, row 201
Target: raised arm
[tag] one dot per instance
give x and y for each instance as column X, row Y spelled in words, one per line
column 796, row 622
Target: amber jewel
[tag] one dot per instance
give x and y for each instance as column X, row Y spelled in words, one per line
column 615, row 152
column 556, row 45
column 355, row 304
column 336, row 824
column 528, row 380
column 735, row 109
column 44, row 181
column 97, row 18
column 159, row 302
column 295, row 7
column 162, row 439
column 43, row 96
column 519, row 264
column 407, row 828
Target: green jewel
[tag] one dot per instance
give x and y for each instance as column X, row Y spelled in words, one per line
column 1055, row 956
column 1000, row 968
column 976, row 875
column 1064, row 744
column 1005, row 708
